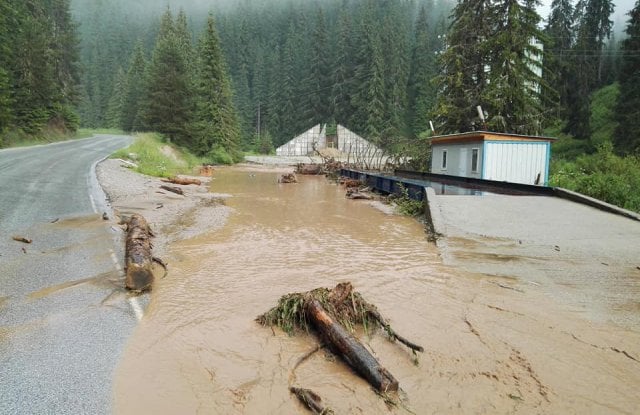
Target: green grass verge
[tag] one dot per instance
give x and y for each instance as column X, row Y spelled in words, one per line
column 156, row 158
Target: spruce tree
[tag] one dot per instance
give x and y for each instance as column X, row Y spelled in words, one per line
column 115, row 109
column 627, row 134
column 169, row 105
column 7, row 14
column 463, row 77
column 133, row 101
column 343, row 72
column 217, row 125
column 594, row 27
column 513, row 94
column 319, row 83
column 557, row 72
column 422, row 93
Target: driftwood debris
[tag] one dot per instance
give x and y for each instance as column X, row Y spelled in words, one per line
column 353, row 193
column 311, row 400
column 351, row 183
column 206, row 170
column 22, row 239
column 173, row 189
column 138, row 258
column 350, row 348
column 288, row 178
column 307, row 168
column 182, row 180
column 329, row 311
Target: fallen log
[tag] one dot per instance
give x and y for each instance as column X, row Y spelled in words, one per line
column 173, row 189
column 312, row 169
column 138, row 258
column 311, row 400
column 288, row 178
column 182, row 180
column 22, row 239
column 349, row 348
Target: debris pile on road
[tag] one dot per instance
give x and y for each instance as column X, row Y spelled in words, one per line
column 330, row 312
column 22, row 239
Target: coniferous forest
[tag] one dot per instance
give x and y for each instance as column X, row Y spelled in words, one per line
column 221, row 77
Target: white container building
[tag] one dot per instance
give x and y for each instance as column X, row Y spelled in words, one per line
column 493, row 156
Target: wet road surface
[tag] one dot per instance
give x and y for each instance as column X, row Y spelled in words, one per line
column 63, row 315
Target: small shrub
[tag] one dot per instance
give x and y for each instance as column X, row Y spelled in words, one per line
column 405, row 205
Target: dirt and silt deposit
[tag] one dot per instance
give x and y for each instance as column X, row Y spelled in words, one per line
column 488, row 349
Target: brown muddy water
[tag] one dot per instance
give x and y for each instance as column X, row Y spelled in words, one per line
column 199, row 350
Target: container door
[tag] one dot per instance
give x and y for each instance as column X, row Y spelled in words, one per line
column 463, row 162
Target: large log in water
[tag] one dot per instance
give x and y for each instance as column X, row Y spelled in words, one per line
column 138, row 259
column 350, row 348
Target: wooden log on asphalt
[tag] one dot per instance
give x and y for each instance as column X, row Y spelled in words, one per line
column 349, row 348
column 173, row 189
column 138, row 258
column 182, row 180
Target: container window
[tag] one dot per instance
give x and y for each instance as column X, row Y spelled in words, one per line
column 474, row 160
column 444, row 159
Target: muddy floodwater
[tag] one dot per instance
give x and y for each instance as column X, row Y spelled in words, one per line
column 487, row 349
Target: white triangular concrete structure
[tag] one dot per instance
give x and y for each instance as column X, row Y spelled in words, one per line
column 348, row 142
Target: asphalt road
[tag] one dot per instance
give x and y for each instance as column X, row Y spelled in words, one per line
column 64, row 317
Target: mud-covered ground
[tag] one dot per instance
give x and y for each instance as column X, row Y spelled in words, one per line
column 493, row 344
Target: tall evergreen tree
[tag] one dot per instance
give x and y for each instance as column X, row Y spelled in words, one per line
column 169, row 105
column 320, row 74
column 513, row 94
column 132, row 111
column 115, row 108
column 462, row 79
column 343, row 72
column 627, row 135
column 557, row 71
column 422, row 93
column 217, row 125
column 594, row 27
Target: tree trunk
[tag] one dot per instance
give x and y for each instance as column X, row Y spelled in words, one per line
column 182, row 180
column 138, row 259
column 173, row 189
column 350, row 348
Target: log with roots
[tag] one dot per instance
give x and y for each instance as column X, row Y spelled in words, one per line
column 173, row 189
column 350, row 348
column 138, row 258
column 182, row 180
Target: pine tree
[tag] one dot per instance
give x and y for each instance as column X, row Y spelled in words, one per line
column 217, row 126
column 115, row 109
column 513, row 95
column 169, row 105
column 7, row 14
column 369, row 97
column 627, row 134
column 343, row 73
column 319, row 83
column 132, row 111
column 557, row 71
column 462, row 79
column 422, row 92
column 594, row 27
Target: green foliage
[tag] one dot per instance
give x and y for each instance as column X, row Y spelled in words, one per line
column 602, row 120
column 627, row 135
column 602, row 175
column 405, row 205
column 154, row 157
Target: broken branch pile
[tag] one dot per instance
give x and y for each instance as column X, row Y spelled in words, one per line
column 288, row 178
column 334, row 313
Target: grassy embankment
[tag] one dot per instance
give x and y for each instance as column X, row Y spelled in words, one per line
column 590, row 166
column 155, row 158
